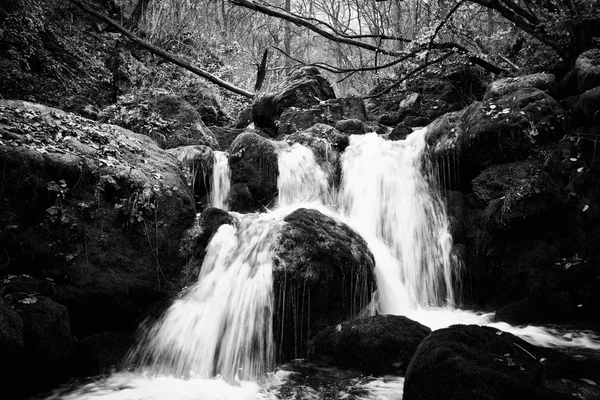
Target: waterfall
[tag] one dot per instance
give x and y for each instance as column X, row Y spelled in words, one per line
column 301, row 179
column 387, row 189
column 222, row 325
column 221, row 181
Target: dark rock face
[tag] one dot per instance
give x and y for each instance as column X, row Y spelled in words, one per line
column 473, row 362
column 328, row 112
column 303, row 89
column 49, row 343
column 322, row 275
column 196, row 239
column 96, row 208
column 253, row 164
column 588, row 106
column 587, row 67
column 427, row 97
column 102, row 353
column 166, row 118
column 500, row 131
column 351, row 126
column 197, row 166
column 12, row 346
column 375, row 345
column 502, row 87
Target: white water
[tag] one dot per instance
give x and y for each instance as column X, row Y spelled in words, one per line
column 385, row 191
column 221, row 181
column 222, row 326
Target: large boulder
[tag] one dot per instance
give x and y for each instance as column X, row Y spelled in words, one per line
column 587, row 66
column 329, row 112
column 516, row 192
column 253, row 163
column 587, row 107
column 304, row 88
column 481, row 363
column 502, row 130
column 322, row 275
column 95, row 208
column 377, row 345
column 504, row 86
column 166, row 118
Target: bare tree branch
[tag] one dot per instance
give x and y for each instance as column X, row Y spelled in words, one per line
column 302, row 22
column 161, row 53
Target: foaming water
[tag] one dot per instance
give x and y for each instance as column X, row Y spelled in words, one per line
column 138, row 386
column 387, row 190
column 301, row 179
column 223, row 324
column 221, row 181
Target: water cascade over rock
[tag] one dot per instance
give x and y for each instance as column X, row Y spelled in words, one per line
column 221, row 181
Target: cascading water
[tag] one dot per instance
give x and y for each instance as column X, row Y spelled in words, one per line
column 386, row 190
column 221, row 181
column 301, row 179
column 223, row 324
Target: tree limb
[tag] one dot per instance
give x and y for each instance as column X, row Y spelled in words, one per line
column 161, row 53
column 302, row 22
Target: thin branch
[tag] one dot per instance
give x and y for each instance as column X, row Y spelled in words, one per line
column 161, row 53
column 411, row 73
column 302, row 22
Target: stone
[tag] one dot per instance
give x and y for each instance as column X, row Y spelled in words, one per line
column 49, row 342
column 351, row 126
column 322, row 275
column 304, row 88
column 588, row 70
column 95, row 208
column 381, row 344
column 502, row 87
column 253, row 162
column 166, row 118
column 475, row 362
column 588, row 106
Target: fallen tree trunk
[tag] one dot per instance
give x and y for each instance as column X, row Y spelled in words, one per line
column 161, row 53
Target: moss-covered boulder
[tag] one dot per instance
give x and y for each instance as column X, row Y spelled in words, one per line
column 254, row 170
column 94, row 207
column 322, row 275
column 304, row 88
column 381, row 344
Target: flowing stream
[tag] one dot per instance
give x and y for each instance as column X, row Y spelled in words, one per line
column 216, row 340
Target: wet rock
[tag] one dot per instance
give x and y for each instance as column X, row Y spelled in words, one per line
column 49, row 343
column 500, row 131
column 303, row 89
column 502, row 87
column 515, row 192
column 253, row 162
column 225, row 136
column 556, row 308
column 94, row 207
column 400, row 132
column 588, row 106
column 244, row 118
column 197, row 166
column 166, row 118
column 473, row 362
column 102, row 353
column 351, row 126
column 587, row 66
column 322, row 275
column 376, row 345
column 12, row 346
column 327, row 112
column 326, row 142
